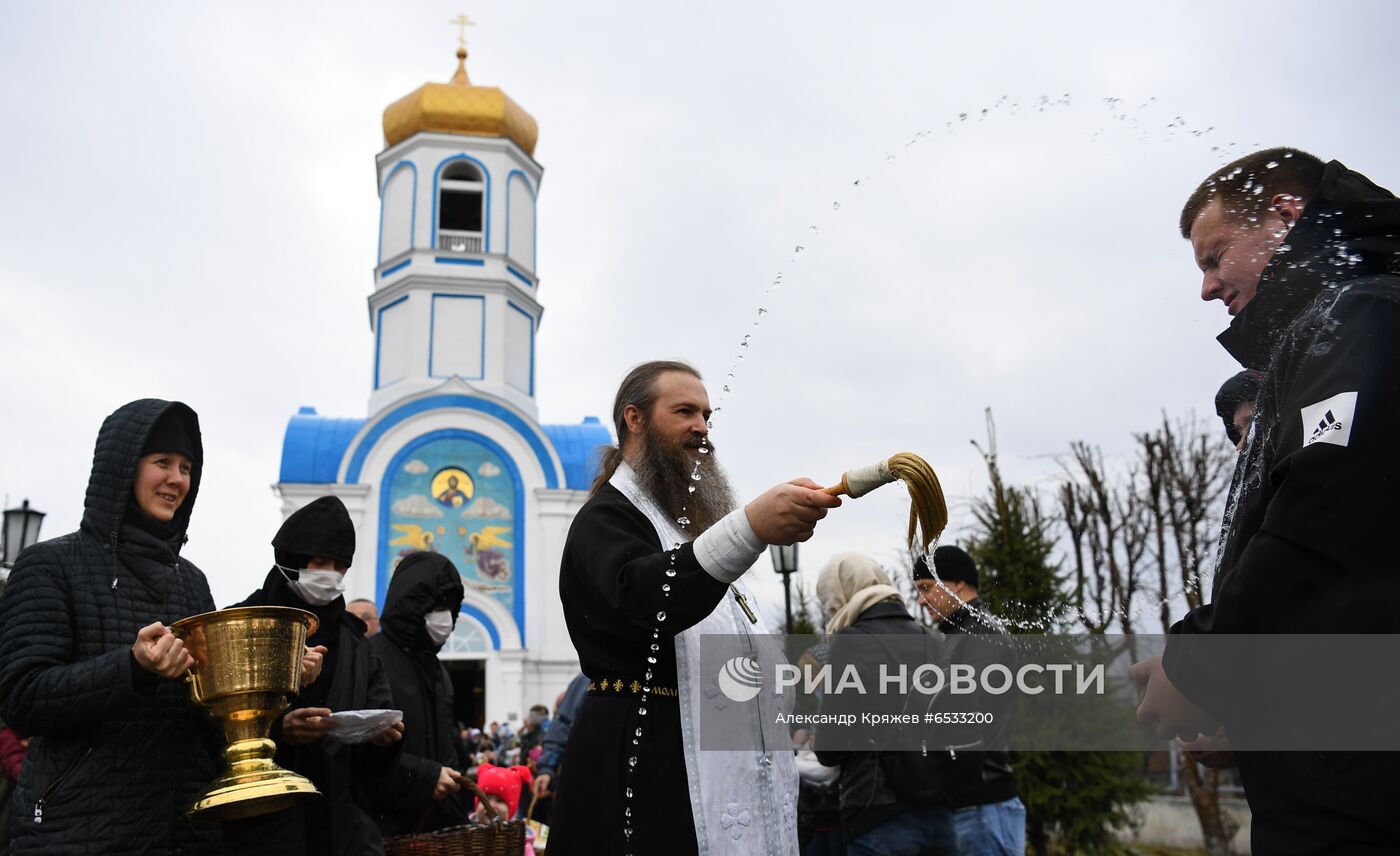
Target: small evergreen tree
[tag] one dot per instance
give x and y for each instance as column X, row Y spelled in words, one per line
column 1074, row 799
column 805, row 616
column 1013, row 550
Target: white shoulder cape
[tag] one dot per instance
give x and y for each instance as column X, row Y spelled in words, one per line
column 744, row 803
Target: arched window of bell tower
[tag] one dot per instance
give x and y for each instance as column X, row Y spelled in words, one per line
column 461, row 205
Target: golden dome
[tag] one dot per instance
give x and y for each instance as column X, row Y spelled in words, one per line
column 460, row 108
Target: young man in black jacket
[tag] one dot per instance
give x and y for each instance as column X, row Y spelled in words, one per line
column 988, row 815
column 1304, row 256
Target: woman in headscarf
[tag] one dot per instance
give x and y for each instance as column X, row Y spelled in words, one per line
column 858, row 599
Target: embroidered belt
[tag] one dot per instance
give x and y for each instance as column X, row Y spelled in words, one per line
column 629, row 687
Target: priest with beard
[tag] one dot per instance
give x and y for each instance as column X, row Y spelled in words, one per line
column 652, row 561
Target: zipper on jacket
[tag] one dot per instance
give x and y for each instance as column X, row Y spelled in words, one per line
column 39, row 806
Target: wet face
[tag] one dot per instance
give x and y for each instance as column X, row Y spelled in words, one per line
column 940, row 600
column 1232, row 252
column 162, row 483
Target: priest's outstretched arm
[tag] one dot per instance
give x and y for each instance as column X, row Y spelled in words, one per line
column 618, row 552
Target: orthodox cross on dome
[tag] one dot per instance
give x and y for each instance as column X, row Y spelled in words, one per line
column 462, row 22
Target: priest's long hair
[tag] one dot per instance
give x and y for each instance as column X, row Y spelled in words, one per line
column 639, row 389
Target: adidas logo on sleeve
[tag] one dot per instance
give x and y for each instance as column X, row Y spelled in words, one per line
column 1329, row 421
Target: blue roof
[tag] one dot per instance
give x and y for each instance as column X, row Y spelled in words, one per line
column 578, row 450
column 314, row 446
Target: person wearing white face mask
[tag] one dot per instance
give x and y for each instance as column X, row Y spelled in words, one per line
column 439, row 623
column 420, row 610
column 313, row 551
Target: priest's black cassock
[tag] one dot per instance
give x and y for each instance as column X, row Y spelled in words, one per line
column 611, row 584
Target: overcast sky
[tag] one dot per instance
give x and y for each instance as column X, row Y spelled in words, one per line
column 190, row 212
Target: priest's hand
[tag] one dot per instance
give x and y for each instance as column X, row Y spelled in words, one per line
column 1164, row 706
column 311, row 663
column 789, row 512
column 449, row 781
column 306, row 725
column 159, row 652
column 389, row 736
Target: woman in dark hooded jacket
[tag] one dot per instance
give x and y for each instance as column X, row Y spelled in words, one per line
column 88, row 667
column 420, row 610
column 313, row 550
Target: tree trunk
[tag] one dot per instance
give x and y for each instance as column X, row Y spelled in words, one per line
column 1217, row 828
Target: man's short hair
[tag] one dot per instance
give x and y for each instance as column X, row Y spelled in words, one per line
column 1248, row 185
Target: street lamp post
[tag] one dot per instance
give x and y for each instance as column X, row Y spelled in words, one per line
column 21, row 528
column 785, row 562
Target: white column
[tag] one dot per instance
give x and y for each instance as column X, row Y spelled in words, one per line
column 505, row 687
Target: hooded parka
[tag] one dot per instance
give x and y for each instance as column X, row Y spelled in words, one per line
column 116, row 754
column 1309, row 537
column 342, row 821
column 422, row 689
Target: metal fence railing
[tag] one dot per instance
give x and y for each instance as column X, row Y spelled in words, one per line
column 459, row 242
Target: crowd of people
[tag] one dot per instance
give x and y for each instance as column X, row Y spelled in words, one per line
column 106, row 752
column 91, row 675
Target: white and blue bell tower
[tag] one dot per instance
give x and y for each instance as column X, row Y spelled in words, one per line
column 451, row 456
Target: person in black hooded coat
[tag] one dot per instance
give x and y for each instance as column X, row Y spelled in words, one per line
column 320, row 538
column 421, row 793
column 88, row 670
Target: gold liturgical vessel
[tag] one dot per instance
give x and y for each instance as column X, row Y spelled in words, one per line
column 247, row 664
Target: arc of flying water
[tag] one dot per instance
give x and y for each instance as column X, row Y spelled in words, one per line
column 1117, row 112
column 813, row 231
column 1043, row 103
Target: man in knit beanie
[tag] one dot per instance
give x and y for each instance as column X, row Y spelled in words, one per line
column 989, row 816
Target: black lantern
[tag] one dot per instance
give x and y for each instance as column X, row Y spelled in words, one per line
column 785, row 562
column 21, row 530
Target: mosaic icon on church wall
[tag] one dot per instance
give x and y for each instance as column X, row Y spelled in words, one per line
column 456, row 497
column 452, row 487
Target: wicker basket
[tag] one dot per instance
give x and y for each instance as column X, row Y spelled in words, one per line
column 501, row 838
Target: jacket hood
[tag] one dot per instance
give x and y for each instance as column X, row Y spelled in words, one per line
column 423, row 582
column 1349, row 228
column 321, row 528
column 114, row 460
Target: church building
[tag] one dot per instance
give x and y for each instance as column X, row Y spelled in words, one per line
column 451, row 456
